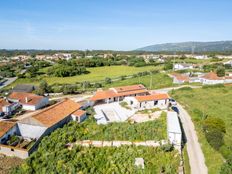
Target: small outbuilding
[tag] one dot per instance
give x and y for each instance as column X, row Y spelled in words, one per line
column 174, row 129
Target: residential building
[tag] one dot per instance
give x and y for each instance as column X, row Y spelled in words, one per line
column 182, row 66
column 118, row 93
column 211, row 78
column 28, row 132
column 6, row 108
column 179, row 78
column 156, row 100
column 28, row 101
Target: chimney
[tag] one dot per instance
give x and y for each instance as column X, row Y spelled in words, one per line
column 26, row 99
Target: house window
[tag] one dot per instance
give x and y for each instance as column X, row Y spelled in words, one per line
column 155, row 102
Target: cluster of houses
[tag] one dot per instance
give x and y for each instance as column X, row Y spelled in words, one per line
column 21, row 135
column 210, row 78
column 136, row 97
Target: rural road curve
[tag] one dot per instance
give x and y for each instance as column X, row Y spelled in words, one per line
column 195, row 154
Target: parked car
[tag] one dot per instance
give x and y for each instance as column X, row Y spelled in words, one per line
column 172, row 102
column 175, row 108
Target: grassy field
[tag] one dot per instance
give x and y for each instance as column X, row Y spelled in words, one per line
column 159, row 80
column 96, row 74
column 213, row 102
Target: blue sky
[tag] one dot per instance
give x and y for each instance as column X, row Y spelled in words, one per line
column 111, row 24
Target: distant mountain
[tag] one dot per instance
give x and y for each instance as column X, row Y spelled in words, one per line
column 217, row 46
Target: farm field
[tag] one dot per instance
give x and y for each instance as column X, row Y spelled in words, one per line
column 210, row 102
column 159, row 80
column 96, row 74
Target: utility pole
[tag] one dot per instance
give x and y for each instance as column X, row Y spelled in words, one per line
column 151, row 80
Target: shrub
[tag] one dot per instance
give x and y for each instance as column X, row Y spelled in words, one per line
column 167, row 147
column 214, row 138
column 227, row 166
column 214, row 129
column 108, row 80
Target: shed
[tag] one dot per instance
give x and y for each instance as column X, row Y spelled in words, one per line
column 174, row 129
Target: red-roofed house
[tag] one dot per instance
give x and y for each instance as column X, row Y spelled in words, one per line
column 28, row 101
column 119, row 93
column 30, row 130
column 211, row 78
column 179, row 78
column 156, row 100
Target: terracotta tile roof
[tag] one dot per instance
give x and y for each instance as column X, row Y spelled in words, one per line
column 3, row 103
column 79, row 113
column 180, row 77
column 5, row 126
column 55, row 113
column 100, row 95
column 21, row 97
column 129, row 88
column 212, row 76
column 119, row 91
column 152, row 97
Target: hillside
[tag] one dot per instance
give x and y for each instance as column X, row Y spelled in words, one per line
column 216, row 46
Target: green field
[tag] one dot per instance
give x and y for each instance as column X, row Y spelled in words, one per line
column 159, row 80
column 96, row 74
column 213, row 102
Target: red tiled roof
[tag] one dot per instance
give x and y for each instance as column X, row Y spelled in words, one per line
column 5, row 126
column 212, row 76
column 79, row 113
column 129, row 88
column 180, row 77
column 3, row 103
column 101, row 95
column 119, row 91
column 55, row 113
column 32, row 99
column 152, row 97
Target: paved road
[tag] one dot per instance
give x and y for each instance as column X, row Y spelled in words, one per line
column 8, row 82
column 196, row 156
column 11, row 80
column 166, row 90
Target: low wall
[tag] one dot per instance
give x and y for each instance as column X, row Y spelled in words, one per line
column 13, row 151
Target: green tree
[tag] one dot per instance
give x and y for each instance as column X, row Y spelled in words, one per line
column 220, row 71
column 108, row 80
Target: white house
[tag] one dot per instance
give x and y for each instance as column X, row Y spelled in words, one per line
column 174, row 129
column 211, row 78
column 30, row 130
column 182, row 66
column 118, row 93
column 148, row 102
column 6, row 108
column 28, row 101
